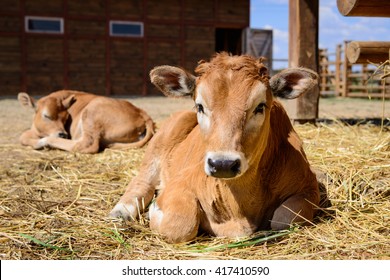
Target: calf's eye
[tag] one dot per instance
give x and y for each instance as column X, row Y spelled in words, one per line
column 199, row 108
column 260, row 108
column 47, row 117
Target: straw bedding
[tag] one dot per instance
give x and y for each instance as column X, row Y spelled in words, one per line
column 53, row 204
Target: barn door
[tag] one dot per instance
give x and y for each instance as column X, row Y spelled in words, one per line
column 258, row 42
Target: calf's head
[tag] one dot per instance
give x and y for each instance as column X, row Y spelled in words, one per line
column 233, row 97
column 50, row 114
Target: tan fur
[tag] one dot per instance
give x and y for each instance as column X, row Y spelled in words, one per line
column 92, row 123
column 275, row 190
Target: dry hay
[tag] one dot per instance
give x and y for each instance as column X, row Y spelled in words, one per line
column 54, row 205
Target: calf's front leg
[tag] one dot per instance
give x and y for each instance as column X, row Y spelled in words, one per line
column 175, row 215
column 141, row 189
column 295, row 210
column 29, row 138
column 60, row 143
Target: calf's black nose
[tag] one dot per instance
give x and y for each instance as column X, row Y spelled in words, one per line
column 224, row 168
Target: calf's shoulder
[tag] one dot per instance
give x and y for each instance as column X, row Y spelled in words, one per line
column 176, row 128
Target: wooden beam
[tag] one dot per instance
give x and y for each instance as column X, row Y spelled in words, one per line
column 367, row 8
column 337, row 71
column 303, row 51
column 370, row 51
column 346, row 71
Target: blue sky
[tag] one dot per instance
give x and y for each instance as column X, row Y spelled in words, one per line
column 333, row 27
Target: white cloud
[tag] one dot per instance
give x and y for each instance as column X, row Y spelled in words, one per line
column 335, row 29
column 278, row 34
column 280, row 42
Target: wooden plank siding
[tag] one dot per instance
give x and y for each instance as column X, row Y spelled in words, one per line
column 163, row 10
column 85, row 57
column 45, row 6
column 231, row 11
column 86, row 7
column 10, row 66
column 87, row 65
column 9, row 24
column 45, row 64
column 198, row 43
column 126, row 78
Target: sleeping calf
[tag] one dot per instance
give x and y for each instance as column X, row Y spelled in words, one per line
column 86, row 123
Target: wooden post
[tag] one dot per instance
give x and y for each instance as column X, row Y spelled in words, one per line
column 324, row 66
column 346, row 68
column 337, row 70
column 303, row 51
column 364, row 78
column 367, row 8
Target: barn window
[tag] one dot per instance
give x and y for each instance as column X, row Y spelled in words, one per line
column 44, row 25
column 126, row 28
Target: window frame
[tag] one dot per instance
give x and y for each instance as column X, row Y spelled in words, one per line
column 28, row 18
column 141, row 24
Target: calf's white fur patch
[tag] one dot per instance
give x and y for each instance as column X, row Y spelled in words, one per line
column 126, row 211
column 155, row 213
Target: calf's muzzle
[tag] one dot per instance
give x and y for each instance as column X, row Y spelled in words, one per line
column 224, row 168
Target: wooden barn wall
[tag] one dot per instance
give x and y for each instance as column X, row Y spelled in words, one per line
column 86, row 65
column 10, row 66
column 199, row 44
column 45, row 64
column 167, row 9
column 232, row 11
column 126, row 9
column 86, row 7
column 10, row 46
column 85, row 57
column 126, row 67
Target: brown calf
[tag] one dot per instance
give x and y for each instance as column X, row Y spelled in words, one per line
column 233, row 167
column 82, row 122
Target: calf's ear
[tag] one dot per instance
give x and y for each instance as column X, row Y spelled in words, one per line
column 26, row 100
column 173, row 81
column 293, row 82
column 67, row 102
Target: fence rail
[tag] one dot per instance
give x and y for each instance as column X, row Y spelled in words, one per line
column 338, row 77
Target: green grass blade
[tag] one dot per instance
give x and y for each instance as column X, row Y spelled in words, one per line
column 44, row 244
column 246, row 242
column 116, row 236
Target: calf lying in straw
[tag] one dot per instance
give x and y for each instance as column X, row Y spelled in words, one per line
column 86, row 123
column 234, row 166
